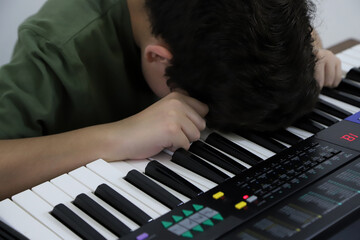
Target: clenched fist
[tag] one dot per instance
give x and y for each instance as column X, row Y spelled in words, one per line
column 327, row 69
column 173, row 122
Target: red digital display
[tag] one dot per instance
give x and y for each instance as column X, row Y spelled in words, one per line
column 350, row 137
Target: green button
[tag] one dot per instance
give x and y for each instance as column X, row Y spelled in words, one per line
column 198, row 228
column 166, row 224
column 177, row 218
column 187, row 234
column 187, row 212
column 218, row 217
column 208, row 222
column 197, row 207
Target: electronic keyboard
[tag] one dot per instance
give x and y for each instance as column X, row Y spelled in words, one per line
column 302, row 182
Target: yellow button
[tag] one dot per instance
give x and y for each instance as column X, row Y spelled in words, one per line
column 240, row 205
column 218, row 195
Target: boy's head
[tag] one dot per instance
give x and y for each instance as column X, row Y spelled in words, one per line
column 251, row 62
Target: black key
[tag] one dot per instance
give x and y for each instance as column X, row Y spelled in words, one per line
column 232, row 149
column 101, row 215
column 322, row 117
column 117, row 201
column 308, row 125
column 153, row 189
column 354, row 74
column 342, row 96
column 332, row 109
column 263, row 140
column 349, row 86
column 171, row 179
column 285, row 136
column 199, row 166
column 7, row 232
column 214, row 156
column 5, row 236
column 75, row 223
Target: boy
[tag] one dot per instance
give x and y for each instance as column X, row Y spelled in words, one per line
column 85, row 79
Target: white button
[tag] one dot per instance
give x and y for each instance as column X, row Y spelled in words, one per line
column 251, row 199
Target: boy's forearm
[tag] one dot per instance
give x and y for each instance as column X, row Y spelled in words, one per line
column 172, row 122
column 27, row 162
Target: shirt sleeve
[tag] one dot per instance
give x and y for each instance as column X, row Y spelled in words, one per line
column 30, row 90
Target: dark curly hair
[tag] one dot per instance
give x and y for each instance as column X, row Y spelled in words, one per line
column 251, row 61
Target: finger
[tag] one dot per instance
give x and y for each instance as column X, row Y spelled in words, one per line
column 329, row 78
column 177, row 141
column 201, row 108
column 194, row 109
column 190, row 130
column 319, row 73
column 338, row 73
column 196, row 119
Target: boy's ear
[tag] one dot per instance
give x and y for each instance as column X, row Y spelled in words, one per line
column 157, row 54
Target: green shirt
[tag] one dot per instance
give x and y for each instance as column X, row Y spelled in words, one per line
column 75, row 64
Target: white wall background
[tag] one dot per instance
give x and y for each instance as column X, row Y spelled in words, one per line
column 12, row 13
column 336, row 21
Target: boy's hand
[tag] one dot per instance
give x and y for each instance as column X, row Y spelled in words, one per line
column 173, row 122
column 327, row 69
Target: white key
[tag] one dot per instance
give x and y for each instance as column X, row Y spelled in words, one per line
column 123, row 166
column 140, row 166
column 299, row 132
column 21, row 221
column 205, row 133
column 114, row 176
column 51, row 194
column 92, row 181
column 283, row 143
column 350, row 108
column 217, row 167
column 199, row 181
column 69, row 185
column 348, row 59
column 337, row 118
column 54, row 196
column 345, row 67
column 228, row 155
column 354, row 55
column 356, row 48
column 248, row 145
column 353, row 51
column 73, row 188
column 230, row 174
column 305, row 134
column 40, row 210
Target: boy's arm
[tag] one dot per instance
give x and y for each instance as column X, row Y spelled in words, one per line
column 173, row 122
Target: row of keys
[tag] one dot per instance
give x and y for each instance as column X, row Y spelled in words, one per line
column 122, row 180
column 271, row 177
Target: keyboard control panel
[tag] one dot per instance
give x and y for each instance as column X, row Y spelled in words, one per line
column 248, row 196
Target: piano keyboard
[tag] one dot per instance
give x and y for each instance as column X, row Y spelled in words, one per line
column 117, row 200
